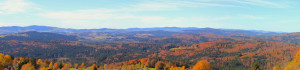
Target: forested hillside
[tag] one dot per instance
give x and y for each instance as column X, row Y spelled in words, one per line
column 14, row 63
column 192, row 49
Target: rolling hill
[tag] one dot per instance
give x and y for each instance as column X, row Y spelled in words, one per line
column 181, row 47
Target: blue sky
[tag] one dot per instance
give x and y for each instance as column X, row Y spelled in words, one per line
column 269, row 15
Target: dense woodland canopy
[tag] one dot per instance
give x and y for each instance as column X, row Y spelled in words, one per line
column 199, row 49
column 12, row 63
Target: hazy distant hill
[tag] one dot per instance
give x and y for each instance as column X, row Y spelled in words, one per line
column 37, row 36
column 289, row 37
column 232, row 31
column 16, row 29
column 46, row 33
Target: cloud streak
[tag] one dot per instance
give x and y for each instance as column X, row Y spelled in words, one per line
column 96, row 15
column 127, row 13
column 261, row 3
column 14, row 6
column 251, row 17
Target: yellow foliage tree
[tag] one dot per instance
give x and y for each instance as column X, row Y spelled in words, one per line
column 67, row 66
column 295, row 64
column 43, row 68
column 27, row 66
column 21, row 60
column 51, row 65
column 177, row 68
column 8, row 60
column 1, row 55
column 39, row 61
column 2, row 60
column 202, row 65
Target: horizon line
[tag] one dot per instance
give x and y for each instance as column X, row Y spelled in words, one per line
column 152, row 27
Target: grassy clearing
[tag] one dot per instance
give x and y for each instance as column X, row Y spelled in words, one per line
column 2, row 36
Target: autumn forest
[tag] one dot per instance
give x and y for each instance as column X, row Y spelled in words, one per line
column 147, row 49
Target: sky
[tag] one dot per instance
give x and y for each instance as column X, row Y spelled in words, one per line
column 268, row 15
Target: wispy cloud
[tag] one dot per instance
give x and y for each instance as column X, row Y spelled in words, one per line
column 177, row 4
column 251, row 17
column 152, row 6
column 127, row 14
column 105, row 13
column 232, row 3
column 262, row 3
column 163, row 5
column 97, row 15
column 14, row 6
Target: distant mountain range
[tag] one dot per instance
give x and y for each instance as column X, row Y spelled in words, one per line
column 45, row 33
column 17, row 29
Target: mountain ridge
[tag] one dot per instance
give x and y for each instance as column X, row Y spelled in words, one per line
column 17, row 29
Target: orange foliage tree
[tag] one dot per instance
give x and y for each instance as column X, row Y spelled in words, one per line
column 202, row 65
column 82, row 65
